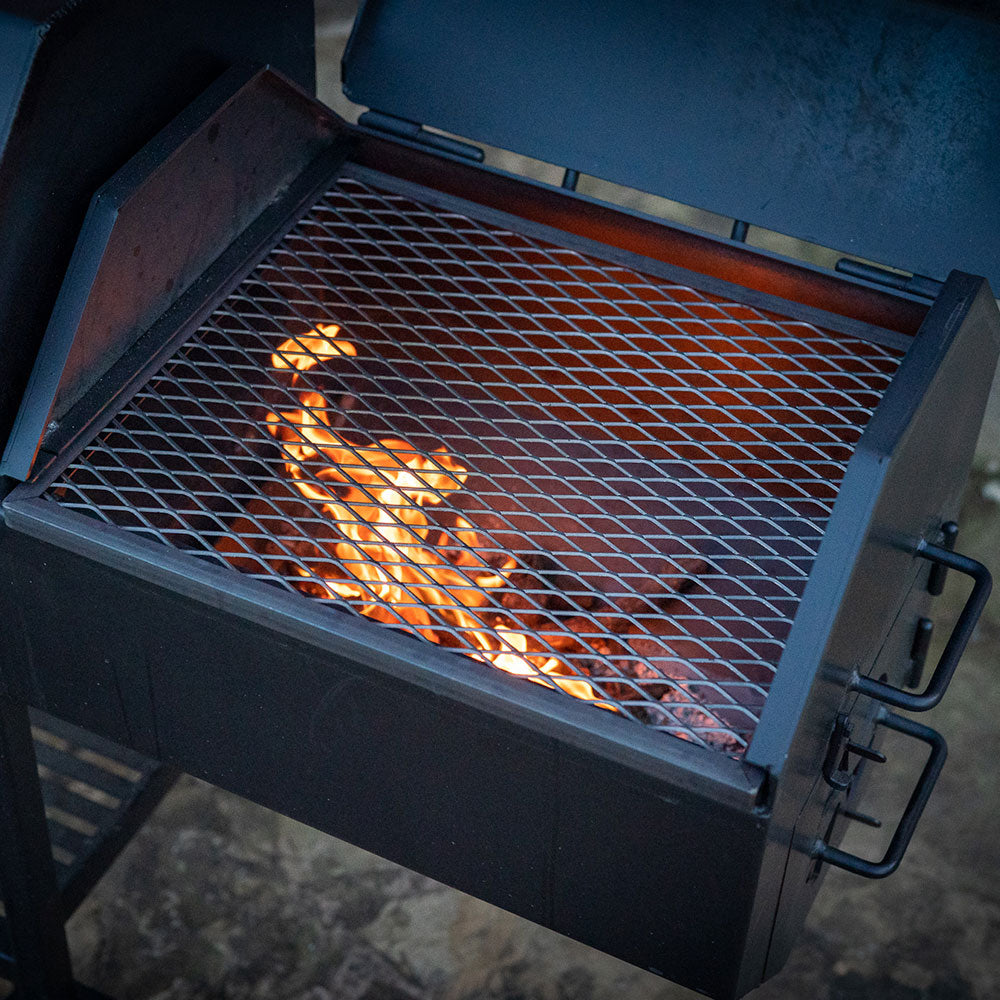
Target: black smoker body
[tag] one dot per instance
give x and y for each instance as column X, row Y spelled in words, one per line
column 694, row 863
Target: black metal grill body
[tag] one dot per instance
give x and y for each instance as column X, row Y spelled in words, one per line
column 695, row 861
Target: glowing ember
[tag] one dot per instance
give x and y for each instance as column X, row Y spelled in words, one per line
column 376, row 495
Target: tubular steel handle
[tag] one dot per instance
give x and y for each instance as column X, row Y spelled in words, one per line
column 964, row 627
column 908, row 822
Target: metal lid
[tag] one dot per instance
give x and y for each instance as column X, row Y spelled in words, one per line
column 868, row 126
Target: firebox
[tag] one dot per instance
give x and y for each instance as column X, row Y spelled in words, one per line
column 611, row 484
column 571, row 558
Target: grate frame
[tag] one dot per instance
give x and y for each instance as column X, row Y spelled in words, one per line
column 389, row 270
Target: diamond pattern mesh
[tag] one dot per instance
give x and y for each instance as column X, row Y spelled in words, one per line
column 609, row 483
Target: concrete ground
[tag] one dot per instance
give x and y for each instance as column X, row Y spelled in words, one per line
column 217, row 897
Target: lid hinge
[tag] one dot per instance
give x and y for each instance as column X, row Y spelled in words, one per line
column 739, row 231
column 570, row 179
column 378, row 121
column 915, row 284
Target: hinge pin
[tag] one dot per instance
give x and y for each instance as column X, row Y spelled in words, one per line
column 918, row 651
column 860, row 817
column 939, row 572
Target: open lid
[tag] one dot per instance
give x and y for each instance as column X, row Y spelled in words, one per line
column 867, row 126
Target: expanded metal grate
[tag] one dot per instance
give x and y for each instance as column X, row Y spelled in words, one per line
column 607, row 481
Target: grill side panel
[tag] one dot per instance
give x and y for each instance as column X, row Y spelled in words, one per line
column 861, row 611
column 75, row 119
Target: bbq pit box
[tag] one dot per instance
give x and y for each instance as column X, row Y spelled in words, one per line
column 696, row 861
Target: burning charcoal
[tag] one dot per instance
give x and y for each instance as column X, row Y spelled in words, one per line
column 523, row 609
column 659, row 690
column 550, row 588
column 683, row 707
column 654, row 596
column 575, row 640
column 278, row 537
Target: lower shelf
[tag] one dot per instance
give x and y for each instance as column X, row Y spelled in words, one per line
column 97, row 794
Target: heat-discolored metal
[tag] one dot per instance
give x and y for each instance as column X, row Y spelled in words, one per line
column 615, row 481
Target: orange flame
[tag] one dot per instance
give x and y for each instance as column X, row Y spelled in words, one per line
column 376, row 495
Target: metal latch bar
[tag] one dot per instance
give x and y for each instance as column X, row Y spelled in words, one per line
column 915, row 284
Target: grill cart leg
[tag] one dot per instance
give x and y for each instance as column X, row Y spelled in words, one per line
column 28, row 885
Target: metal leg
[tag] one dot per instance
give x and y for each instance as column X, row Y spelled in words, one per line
column 27, row 873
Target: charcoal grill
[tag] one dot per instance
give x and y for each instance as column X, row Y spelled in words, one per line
column 571, row 558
